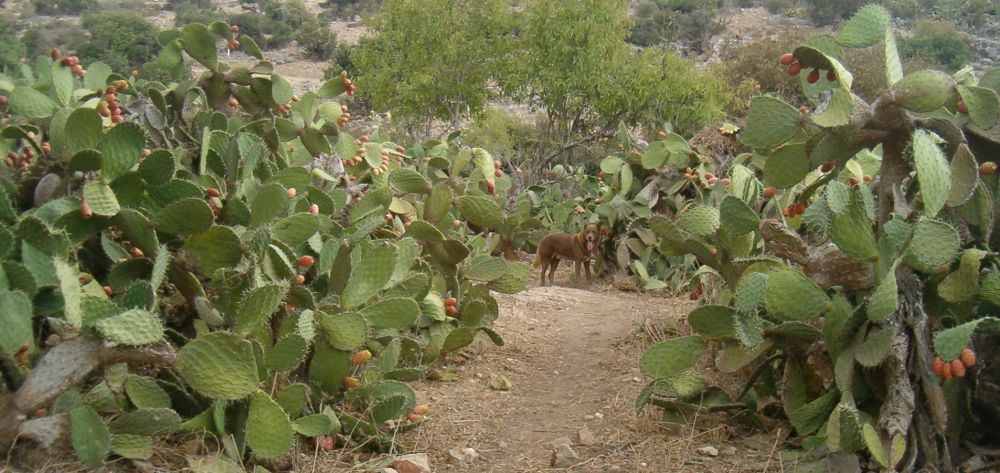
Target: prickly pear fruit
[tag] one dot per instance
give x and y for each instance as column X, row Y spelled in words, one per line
column 314, row 209
column 957, row 368
column 794, row 68
column 813, row 76
column 361, row 357
column 456, row 223
column 968, row 357
column 85, row 210
column 450, row 301
column 299, row 280
column 988, row 168
column 291, row 192
column 213, row 192
column 962, row 108
column 351, row 382
column 451, row 310
column 938, row 367
column 421, row 409
column 107, row 291
column 137, row 253
column 414, row 418
column 769, row 192
column 946, row 372
column 787, row 59
column 306, row 261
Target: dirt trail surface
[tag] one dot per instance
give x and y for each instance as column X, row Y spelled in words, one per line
column 571, row 357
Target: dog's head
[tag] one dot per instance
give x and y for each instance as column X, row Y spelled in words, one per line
column 591, row 236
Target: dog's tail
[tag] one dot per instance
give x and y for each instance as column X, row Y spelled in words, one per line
column 537, row 262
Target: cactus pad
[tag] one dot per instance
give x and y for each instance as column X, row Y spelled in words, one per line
column 218, row 247
column 482, row 211
column 671, row 356
column 30, row 103
column 147, row 421
column 933, row 171
column 458, row 339
column 713, row 321
column 876, row 346
column 851, row 231
column 145, row 393
column 344, row 331
column 90, row 437
column 982, row 103
column 268, row 430
column 960, row 285
column 132, row 327
column 810, row 417
column 287, row 353
column 258, row 305
column 101, row 199
column 948, row 344
column 843, row 429
column 964, row 176
column 925, row 91
column 184, row 217
column 295, row 229
column 989, row 289
column 485, row 268
column 369, row 276
column 866, row 28
column 885, row 299
column 314, row 425
column 699, row 220
column 15, row 317
column 770, row 123
column 219, row 365
column 736, row 217
column 409, row 181
column 133, row 447
column 121, row 150
column 933, row 246
column 792, row 296
column 786, row 166
column 395, row 313
column 750, row 292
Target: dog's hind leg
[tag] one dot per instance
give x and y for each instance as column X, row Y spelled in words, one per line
column 545, row 266
column 553, row 264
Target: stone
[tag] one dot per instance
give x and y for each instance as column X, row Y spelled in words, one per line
column 708, row 451
column 461, row 456
column 564, row 457
column 558, row 442
column 728, row 451
column 413, row 463
column 584, row 437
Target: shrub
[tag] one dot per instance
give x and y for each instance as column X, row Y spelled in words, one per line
column 779, row 7
column 63, row 34
column 63, row 7
column 193, row 15
column 123, row 41
column 268, row 34
column 341, row 60
column 827, row 12
column 178, row 5
column 317, row 39
column 11, row 50
column 938, row 43
column 754, row 61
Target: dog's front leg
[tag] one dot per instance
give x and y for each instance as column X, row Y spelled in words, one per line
column 576, row 268
column 586, row 266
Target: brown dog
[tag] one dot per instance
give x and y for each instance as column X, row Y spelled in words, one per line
column 576, row 247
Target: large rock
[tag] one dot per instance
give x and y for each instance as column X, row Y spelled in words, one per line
column 414, row 463
column 564, row 457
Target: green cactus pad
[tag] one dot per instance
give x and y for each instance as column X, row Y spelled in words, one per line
column 482, row 211
column 147, row 421
column 409, row 181
column 874, row 444
column 982, row 104
column 200, row 45
column 810, row 417
column 852, row 231
column 382, row 390
column 885, row 299
column 216, row 248
column 948, row 344
column 485, row 268
column 424, row 231
column 296, row 229
column 133, row 447
column 267, row 204
column 387, row 409
column 101, row 199
column 219, row 365
column 30, row 103
column 396, row 313
column 933, row 171
column 433, row 306
column 90, row 437
column 876, row 346
column 132, row 327
column 258, row 305
column 786, row 166
column 369, row 276
column 268, row 430
column 866, row 28
column 792, row 296
column 770, row 122
column 713, row 321
column 314, row 425
column 514, row 280
column 484, row 163
column 700, row 220
column 145, row 393
column 15, row 317
column 458, row 339
column 989, row 291
column 121, row 150
column 158, row 169
column 287, row 353
column 933, row 246
column 138, row 229
column 344, row 331
column 305, row 325
column 83, row 130
column 69, row 287
column 328, row 368
column 736, row 217
column 671, row 356
column 964, row 176
column 843, row 429
column 184, row 217
column 438, row 204
column 961, row 285
column 925, row 91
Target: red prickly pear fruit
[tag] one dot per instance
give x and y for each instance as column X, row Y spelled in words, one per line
column 709, row 175
column 137, row 253
column 867, row 178
column 421, row 409
column 291, row 192
column 946, row 372
column 233, row 103
column 715, row 251
column 962, row 108
column 787, row 59
column 451, row 310
column 361, row 357
column 831, row 75
column 213, row 192
column 498, row 173
column 491, row 187
column 826, row 167
column 769, row 192
column 726, row 182
column 987, row 168
column 306, row 261
column 968, row 357
column 54, row 54
column 813, row 76
column 234, row 44
column 234, row 28
column 787, row 212
column 938, row 367
column 853, row 181
column 661, row 135
column 794, row 68
column 85, row 210
column 299, row 280
column 804, row 110
column 108, row 291
column 314, row 209
column 456, row 223
column 116, row 119
column 450, row 301
column 351, row 382
column 3, row 100
column 957, row 368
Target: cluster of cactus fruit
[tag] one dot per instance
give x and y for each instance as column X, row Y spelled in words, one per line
column 852, row 263
column 214, row 270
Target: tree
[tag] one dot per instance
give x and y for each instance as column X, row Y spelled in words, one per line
column 11, row 49
column 121, row 40
column 435, row 58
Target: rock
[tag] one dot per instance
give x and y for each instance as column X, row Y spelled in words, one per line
column 558, row 442
column 461, row 456
column 843, row 463
column 598, row 415
column 584, row 437
column 708, row 451
column 564, row 457
column 728, row 451
column 414, row 463
column 588, row 417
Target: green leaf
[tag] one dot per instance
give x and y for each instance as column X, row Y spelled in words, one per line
column 786, row 166
column 90, row 437
column 30, row 103
column 15, row 317
column 258, row 305
column 933, row 172
column 200, row 44
column 866, row 28
column 101, row 199
column 219, row 365
column 369, row 276
column 184, row 217
column 671, row 356
column 793, row 296
column 268, row 430
column 121, row 150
